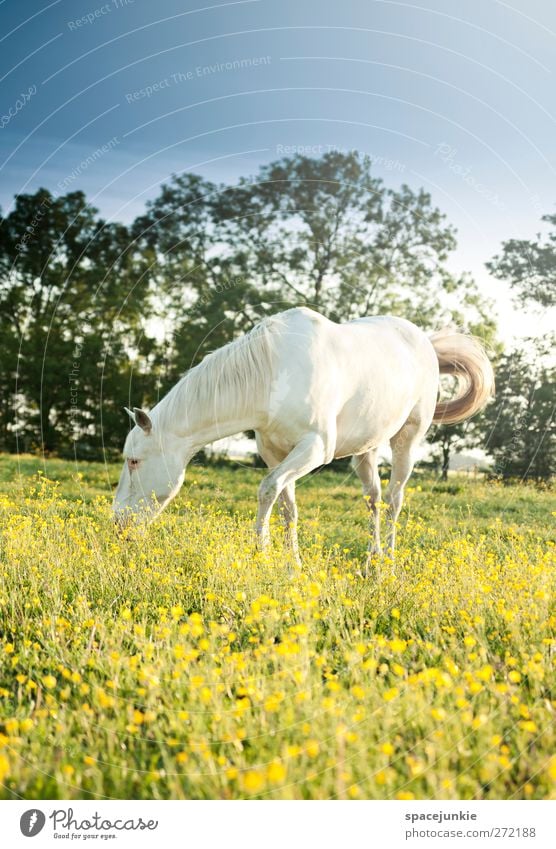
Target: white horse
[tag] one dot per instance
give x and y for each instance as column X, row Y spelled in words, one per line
column 312, row 390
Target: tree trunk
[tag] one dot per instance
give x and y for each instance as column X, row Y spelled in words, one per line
column 47, row 431
column 445, row 461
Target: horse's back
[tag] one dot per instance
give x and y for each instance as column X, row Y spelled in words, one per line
column 317, row 342
column 305, row 322
column 336, row 359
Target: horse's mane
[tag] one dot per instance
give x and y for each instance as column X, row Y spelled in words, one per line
column 230, row 379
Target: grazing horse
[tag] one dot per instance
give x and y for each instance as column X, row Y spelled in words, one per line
column 312, row 390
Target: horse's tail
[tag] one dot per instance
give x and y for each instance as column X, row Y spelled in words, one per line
column 465, row 358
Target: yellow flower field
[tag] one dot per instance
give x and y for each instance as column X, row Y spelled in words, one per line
column 180, row 663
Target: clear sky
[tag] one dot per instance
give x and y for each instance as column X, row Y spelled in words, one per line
column 457, row 97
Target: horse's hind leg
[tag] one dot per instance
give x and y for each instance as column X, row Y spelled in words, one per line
column 288, row 509
column 366, row 468
column 403, row 446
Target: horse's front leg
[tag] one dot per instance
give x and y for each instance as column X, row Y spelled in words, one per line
column 288, row 509
column 308, row 454
column 268, row 493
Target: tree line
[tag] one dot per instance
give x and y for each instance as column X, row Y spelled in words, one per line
column 98, row 314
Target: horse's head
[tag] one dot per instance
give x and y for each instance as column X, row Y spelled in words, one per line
column 152, row 474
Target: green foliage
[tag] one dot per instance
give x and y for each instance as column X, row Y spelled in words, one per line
column 327, row 233
column 448, row 440
column 72, row 297
column 520, row 426
column 530, row 267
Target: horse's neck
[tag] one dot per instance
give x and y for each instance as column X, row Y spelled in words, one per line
column 225, row 394
column 202, row 413
column 216, row 426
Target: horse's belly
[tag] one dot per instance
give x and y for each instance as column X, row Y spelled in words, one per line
column 353, row 448
column 362, row 427
column 356, row 443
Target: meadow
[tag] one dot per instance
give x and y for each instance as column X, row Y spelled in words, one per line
column 182, row 663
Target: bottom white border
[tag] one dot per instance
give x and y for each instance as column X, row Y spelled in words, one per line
column 275, row 825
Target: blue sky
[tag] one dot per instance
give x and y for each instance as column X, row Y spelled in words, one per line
column 458, row 98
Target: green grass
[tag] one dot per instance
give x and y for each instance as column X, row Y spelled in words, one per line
column 181, row 663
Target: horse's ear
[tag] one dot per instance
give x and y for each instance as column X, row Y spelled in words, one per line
column 130, row 413
column 142, row 419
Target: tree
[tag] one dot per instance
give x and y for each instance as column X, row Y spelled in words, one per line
column 449, row 440
column 530, row 267
column 323, row 232
column 520, row 425
column 327, row 233
column 200, row 301
column 72, row 298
